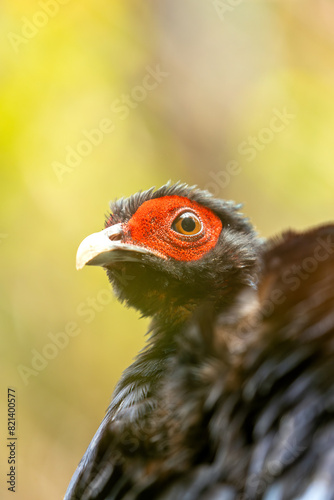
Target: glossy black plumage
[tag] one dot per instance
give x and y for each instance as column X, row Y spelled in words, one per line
column 234, row 398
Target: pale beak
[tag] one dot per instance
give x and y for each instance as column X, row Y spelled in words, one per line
column 106, row 247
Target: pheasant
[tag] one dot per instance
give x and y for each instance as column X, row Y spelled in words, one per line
column 233, row 396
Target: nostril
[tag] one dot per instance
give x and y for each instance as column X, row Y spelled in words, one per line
column 115, row 232
column 116, row 237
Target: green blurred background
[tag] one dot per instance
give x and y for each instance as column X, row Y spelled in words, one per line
column 225, row 70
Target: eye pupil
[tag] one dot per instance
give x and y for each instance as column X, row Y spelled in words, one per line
column 188, row 224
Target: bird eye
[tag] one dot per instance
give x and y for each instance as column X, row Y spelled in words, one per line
column 187, row 224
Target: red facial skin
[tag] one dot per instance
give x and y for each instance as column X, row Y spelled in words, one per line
column 151, row 227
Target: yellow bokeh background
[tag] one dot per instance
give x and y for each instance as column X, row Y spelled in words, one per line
column 224, row 70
